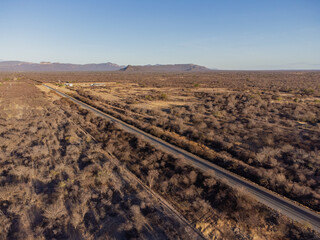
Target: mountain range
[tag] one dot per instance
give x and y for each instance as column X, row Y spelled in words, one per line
column 165, row 68
column 19, row 66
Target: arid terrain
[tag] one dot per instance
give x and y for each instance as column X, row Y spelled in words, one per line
column 264, row 126
column 57, row 183
column 67, row 174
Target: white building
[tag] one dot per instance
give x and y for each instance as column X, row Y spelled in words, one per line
column 97, row 84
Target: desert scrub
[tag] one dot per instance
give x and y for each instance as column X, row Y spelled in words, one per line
column 163, row 96
column 148, row 97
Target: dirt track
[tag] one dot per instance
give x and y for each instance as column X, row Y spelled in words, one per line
column 55, row 181
column 272, row 200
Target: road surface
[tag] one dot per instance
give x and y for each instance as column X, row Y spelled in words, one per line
column 275, row 201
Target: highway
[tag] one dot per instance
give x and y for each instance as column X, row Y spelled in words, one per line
column 285, row 206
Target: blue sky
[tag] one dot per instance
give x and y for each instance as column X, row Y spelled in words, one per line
column 224, row 34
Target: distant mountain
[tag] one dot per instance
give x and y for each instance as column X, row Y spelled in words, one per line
column 166, row 68
column 17, row 66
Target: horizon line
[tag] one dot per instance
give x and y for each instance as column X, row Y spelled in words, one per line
column 209, row 68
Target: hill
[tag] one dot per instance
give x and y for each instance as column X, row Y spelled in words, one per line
column 166, row 68
column 18, row 66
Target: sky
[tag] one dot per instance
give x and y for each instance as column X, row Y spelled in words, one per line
column 223, row 34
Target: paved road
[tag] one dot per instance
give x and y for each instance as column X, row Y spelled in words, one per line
column 271, row 199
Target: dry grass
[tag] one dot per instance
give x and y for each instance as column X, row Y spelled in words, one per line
column 238, row 118
column 55, row 184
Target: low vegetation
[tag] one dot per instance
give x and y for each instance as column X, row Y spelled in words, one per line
column 68, row 177
column 267, row 131
column 214, row 208
column 57, row 183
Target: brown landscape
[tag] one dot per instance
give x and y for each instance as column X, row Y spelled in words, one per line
column 264, row 126
column 66, row 173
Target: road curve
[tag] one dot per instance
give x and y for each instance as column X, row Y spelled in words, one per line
column 263, row 195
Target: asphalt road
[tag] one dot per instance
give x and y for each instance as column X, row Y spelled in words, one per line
column 275, row 201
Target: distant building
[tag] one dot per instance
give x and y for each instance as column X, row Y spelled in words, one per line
column 68, row 84
column 97, row 84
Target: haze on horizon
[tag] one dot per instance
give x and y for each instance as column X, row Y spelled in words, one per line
column 217, row 34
